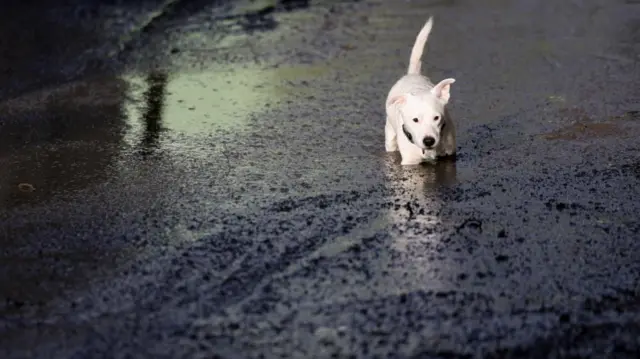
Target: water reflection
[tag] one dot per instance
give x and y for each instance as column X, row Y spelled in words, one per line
column 67, row 146
column 78, row 147
column 56, row 143
column 154, row 99
column 426, row 178
column 416, row 218
column 191, row 113
column 60, row 140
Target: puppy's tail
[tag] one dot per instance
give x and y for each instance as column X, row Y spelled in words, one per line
column 415, row 62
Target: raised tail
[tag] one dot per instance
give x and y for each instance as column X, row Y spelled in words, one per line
column 415, row 62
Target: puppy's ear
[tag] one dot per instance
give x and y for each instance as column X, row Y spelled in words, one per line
column 397, row 100
column 442, row 90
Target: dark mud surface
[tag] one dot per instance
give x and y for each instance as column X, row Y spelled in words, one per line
column 198, row 179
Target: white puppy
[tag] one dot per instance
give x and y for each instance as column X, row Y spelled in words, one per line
column 418, row 123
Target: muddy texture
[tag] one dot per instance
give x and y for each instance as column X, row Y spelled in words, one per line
column 207, row 179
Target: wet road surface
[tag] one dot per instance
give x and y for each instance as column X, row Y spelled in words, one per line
column 197, row 180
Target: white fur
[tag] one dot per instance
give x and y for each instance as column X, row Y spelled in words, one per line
column 414, row 96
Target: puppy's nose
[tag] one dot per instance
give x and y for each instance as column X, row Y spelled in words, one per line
column 428, row 141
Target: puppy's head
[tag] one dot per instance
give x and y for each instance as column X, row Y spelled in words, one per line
column 423, row 114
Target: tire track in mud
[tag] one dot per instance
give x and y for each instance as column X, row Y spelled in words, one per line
column 284, row 238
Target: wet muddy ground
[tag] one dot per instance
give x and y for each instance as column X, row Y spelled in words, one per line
column 188, row 179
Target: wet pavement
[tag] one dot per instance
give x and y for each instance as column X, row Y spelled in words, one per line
column 197, row 179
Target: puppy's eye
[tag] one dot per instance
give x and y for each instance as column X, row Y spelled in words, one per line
column 415, row 120
column 436, row 118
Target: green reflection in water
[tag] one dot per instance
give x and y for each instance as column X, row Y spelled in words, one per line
column 198, row 103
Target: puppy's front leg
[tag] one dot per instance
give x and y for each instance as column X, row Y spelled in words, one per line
column 430, row 155
column 410, row 156
column 390, row 138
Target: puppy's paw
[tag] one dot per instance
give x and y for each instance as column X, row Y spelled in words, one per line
column 448, row 154
column 429, row 155
column 410, row 162
column 391, row 147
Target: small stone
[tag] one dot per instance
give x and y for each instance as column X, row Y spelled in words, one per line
column 326, row 335
column 26, row 187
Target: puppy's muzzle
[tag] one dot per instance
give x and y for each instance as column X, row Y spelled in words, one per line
column 428, row 141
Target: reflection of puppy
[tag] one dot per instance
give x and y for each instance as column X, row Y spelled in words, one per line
column 418, row 123
column 443, row 174
column 424, row 179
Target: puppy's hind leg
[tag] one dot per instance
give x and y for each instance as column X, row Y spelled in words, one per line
column 448, row 139
column 390, row 138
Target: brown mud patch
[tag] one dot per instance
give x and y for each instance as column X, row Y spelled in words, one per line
column 583, row 127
